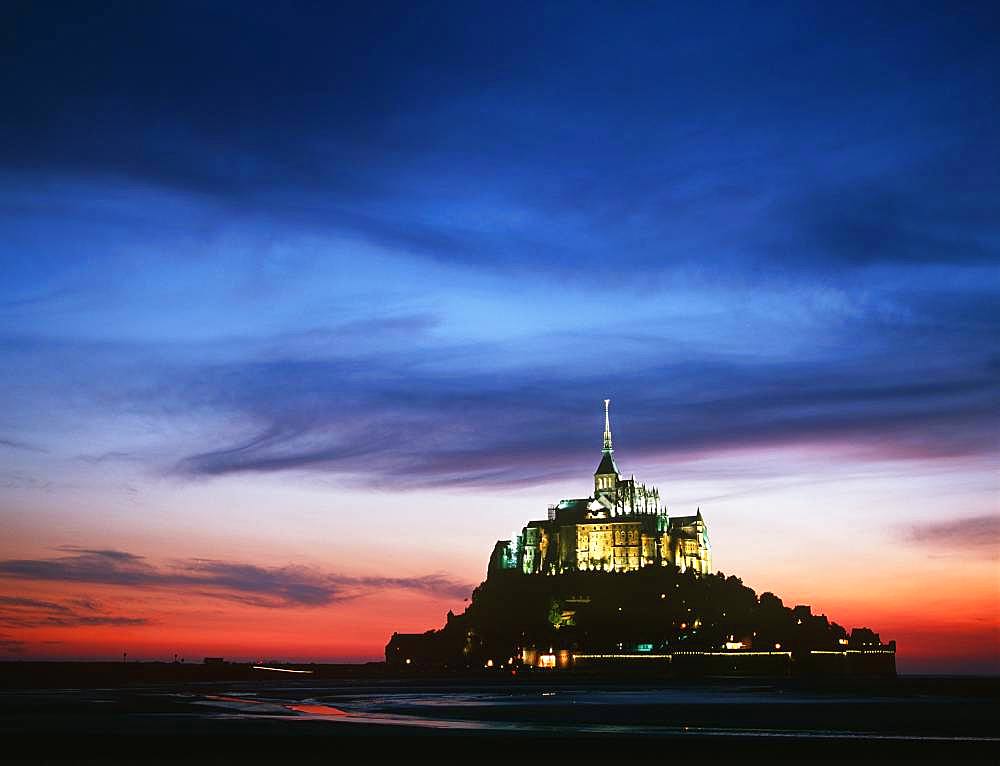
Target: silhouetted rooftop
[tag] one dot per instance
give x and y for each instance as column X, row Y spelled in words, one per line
column 607, row 465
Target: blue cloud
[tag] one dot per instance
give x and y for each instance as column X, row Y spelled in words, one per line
column 417, row 247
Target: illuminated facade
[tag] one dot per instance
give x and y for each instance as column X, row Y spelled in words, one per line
column 620, row 528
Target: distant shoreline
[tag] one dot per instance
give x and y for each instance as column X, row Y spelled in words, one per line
column 42, row 674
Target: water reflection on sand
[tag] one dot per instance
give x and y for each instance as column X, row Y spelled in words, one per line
column 726, row 710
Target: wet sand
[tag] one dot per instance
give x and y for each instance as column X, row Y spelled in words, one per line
column 411, row 719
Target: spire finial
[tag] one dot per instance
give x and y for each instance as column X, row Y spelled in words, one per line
column 607, row 427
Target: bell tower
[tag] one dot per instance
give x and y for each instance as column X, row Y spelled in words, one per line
column 606, row 475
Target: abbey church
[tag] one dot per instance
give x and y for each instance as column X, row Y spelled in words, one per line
column 622, row 527
column 613, row 581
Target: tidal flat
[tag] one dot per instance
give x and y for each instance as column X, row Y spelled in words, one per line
column 282, row 717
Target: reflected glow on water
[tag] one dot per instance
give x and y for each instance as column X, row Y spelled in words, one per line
column 651, row 712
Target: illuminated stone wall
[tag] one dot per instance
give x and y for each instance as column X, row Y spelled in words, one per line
column 621, row 528
column 613, row 544
column 529, row 550
column 687, row 546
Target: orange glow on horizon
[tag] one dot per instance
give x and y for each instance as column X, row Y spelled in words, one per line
column 933, row 631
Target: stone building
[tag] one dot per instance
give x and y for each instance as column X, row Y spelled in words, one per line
column 622, row 527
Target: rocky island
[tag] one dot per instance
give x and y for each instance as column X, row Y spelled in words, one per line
column 613, row 584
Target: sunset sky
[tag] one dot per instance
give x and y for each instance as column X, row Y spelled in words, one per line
column 302, row 308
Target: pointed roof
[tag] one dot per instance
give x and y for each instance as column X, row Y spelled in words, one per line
column 607, row 464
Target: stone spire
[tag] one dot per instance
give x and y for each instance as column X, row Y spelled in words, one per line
column 607, row 427
column 606, row 475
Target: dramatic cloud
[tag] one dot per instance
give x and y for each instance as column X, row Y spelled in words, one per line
column 972, row 536
column 938, row 209
column 432, row 273
column 485, row 158
column 11, row 645
column 244, row 583
column 387, row 247
column 16, row 612
column 445, row 428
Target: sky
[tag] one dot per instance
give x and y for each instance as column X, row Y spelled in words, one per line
column 304, row 305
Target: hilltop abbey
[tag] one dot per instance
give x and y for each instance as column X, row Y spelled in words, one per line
column 622, row 527
column 612, row 581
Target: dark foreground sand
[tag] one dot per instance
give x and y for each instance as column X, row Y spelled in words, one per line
column 516, row 720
